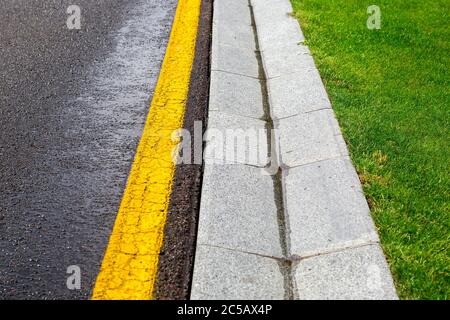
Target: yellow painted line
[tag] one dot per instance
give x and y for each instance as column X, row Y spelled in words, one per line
column 130, row 263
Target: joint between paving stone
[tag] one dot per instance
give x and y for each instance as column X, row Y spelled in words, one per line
column 317, row 161
column 295, row 259
column 236, row 73
column 278, row 259
column 299, row 114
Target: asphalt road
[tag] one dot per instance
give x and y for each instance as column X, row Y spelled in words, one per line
column 72, row 107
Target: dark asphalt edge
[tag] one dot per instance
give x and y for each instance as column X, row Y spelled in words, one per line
column 176, row 259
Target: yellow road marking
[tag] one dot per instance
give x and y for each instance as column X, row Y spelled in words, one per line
column 131, row 260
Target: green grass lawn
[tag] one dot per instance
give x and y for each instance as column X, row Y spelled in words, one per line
column 390, row 91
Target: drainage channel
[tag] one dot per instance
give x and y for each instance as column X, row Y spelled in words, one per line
column 276, row 170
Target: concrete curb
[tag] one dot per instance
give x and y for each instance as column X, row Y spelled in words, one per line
column 306, row 232
column 238, row 243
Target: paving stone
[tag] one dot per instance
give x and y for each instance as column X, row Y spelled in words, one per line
column 326, row 208
column 297, row 93
column 235, row 60
column 234, row 34
column 221, row 274
column 279, row 34
column 310, row 137
column 238, row 210
column 275, row 26
column 236, row 94
column 236, row 139
column 274, row 9
column 352, row 274
column 291, row 59
column 236, row 11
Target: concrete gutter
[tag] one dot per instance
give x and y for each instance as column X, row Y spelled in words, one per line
column 303, row 230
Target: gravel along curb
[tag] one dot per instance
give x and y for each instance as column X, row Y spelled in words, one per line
column 298, row 227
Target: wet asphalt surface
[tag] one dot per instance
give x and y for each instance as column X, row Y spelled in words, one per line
column 72, row 107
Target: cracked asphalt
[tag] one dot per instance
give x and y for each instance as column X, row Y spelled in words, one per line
column 72, row 107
